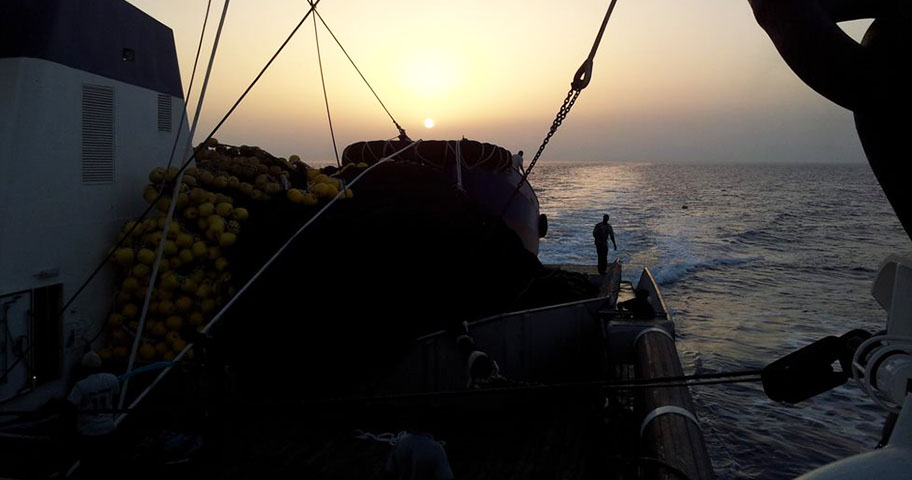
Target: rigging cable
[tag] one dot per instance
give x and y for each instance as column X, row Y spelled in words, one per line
column 402, row 134
column 199, row 48
column 183, row 167
column 171, row 207
column 119, row 243
column 609, row 385
column 695, row 380
column 580, row 81
column 218, row 316
column 325, row 96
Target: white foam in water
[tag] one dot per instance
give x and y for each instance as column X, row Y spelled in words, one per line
column 682, row 247
column 764, row 260
column 666, row 275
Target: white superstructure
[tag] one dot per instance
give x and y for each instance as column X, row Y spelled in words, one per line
column 78, row 136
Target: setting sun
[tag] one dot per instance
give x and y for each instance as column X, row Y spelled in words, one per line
column 241, row 159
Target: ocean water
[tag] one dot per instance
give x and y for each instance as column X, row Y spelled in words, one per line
column 764, row 260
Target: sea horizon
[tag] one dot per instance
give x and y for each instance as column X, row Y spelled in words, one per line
column 549, row 161
column 762, row 262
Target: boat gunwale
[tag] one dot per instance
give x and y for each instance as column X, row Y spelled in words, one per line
column 647, row 276
column 517, row 312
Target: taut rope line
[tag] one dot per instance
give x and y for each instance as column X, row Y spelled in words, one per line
column 164, row 238
column 183, row 167
column 218, row 316
column 199, row 48
column 332, row 133
column 119, row 243
column 402, row 135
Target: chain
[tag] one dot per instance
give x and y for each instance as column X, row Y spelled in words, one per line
column 580, row 81
column 562, row 113
column 572, row 95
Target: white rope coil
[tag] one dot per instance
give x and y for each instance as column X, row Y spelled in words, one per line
column 389, row 437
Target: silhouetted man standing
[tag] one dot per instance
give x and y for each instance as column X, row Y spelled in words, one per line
column 601, row 233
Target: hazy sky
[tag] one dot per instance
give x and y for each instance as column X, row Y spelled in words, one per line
column 673, row 81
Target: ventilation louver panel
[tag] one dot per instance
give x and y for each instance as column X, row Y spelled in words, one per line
column 164, row 113
column 97, row 134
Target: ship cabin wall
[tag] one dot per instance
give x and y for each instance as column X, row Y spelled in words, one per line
column 75, row 152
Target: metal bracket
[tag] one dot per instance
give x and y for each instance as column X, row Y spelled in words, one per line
column 665, row 410
column 651, row 329
column 891, row 289
column 622, row 336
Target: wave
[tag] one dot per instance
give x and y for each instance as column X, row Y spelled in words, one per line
column 666, row 275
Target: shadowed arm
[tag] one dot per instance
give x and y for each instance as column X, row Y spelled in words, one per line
column 873, row 79
column 806, row 35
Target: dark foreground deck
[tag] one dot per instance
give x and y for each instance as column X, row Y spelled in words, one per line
column 531, row 436
column 548, row 415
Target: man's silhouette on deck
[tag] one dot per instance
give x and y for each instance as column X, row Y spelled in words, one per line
column 601, row 233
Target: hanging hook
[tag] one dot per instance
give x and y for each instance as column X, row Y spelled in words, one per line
column 584, row 73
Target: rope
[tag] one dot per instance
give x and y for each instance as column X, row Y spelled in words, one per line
column 482, row 158
column 402, row 134
column 580, row 81
column 183, row 167
column 389, row 438
column 325, row 96
column 180, row 124
column 247, row 285
column 170, row 160
column 611, row 385
column 171, row 207
column 662, row 382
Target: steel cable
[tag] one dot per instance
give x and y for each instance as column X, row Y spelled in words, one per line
column 697, row 380
column 398, row 127
column 332, row 133
column 148, row 209
column 183, row 167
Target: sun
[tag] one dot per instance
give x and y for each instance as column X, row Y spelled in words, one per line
column 428, row 122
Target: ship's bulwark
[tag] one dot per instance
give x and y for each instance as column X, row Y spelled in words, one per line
column 409, row 255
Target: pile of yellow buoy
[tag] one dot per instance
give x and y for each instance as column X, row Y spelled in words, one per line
column 194, row 278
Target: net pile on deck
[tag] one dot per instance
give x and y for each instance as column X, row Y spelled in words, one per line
column 407, row 255
column 217, row 197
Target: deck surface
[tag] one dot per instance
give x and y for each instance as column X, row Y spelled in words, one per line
column 570, row 267
column 539, row 437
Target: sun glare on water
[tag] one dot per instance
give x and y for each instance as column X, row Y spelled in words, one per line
column 428, row 123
